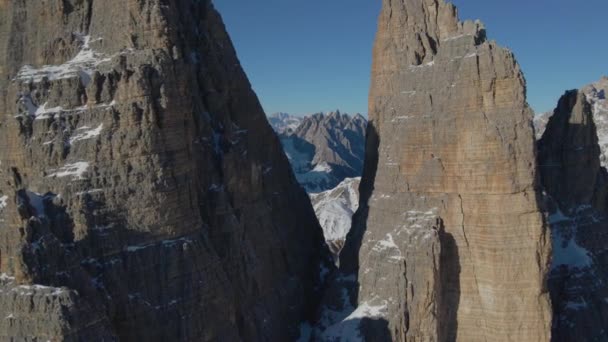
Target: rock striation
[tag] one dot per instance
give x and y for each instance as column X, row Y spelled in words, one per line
column 449, row 242
column 325, row 149
column 576, row 188
column 143, row 194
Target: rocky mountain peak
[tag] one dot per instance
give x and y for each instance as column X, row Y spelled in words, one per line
column 284, row 123
column 569, row 152
column 450, row 161
column 576, row 187
column 325, row 149
column 430, row 25
column 136, row 162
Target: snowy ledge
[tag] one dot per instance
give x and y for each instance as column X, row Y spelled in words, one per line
column 75, row 170
column 42, row 112
column 83, row 65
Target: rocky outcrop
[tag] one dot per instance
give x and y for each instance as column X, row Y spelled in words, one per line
column 335, row 209
column 577, row 192
column 144, row 195
column 449, row 242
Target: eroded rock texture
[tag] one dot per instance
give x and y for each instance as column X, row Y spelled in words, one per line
column 144, row 195
column 576, row 195
column 449, row 242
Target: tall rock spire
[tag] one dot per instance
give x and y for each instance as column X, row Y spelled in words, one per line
column 576, row 188
column 144, row 196
column 449, row 241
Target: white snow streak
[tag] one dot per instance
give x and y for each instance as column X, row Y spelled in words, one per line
column 83, row 65
column 75, row 170
column 87, row 134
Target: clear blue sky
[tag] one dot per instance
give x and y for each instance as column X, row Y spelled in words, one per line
column 315, row 55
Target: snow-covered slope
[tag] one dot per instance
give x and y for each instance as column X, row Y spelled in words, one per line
column 326, row 153
column 335, row 209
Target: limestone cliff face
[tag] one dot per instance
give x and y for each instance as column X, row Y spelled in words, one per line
column 144, row 195
column 577, row 193
column 449, row 241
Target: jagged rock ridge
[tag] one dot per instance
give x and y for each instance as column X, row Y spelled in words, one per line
column 449, row 242
column 284, row 123
column 325, row 149
column 144, row 195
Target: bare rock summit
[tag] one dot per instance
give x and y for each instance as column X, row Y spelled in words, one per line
column 449, row 241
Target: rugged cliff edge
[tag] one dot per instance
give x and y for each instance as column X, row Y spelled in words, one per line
column 144, row 195
column 449, row 242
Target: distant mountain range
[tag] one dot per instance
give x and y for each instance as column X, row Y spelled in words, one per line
column 284, row 123
column 326, row 153
column 323, row 149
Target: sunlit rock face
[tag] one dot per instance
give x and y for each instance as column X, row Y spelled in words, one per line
column 144, row 197
column 449, row 242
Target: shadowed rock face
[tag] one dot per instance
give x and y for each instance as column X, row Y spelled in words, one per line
column 577, row 193
column 449, row 241
column 569, row 155
column 144, row 195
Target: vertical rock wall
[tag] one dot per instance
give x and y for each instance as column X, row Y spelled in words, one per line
column 141, row 183
column 449, row 241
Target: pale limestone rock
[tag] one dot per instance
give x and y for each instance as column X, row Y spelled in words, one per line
column 449, row 238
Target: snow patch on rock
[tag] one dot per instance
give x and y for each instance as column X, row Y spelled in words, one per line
column 74, row 170
column 335, row 208
column 88, row 134
column 83, row 64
